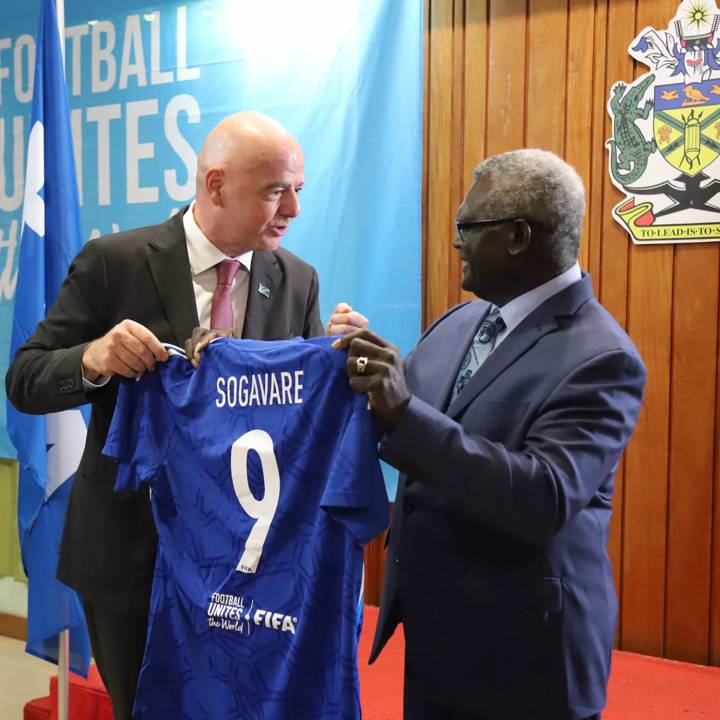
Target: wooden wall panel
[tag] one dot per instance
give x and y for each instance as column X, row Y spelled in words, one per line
column 611, row 244
column 475, row 107
column 692, row 444
column 373, row 577
column 646, row 462
column 580, row 110
column 546, row 81
column 476, row 82
column 596, row 183
column 715, row 556
column 504, row 74
column 646, row 459
column 457, row 179
column 611, row 283
column 13, row 626
column 439, row 151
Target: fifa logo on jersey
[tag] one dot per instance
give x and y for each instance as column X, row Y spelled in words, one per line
column 275, row 620
column 230, row 612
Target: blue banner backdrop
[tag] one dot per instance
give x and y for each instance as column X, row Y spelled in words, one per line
column 147, row 82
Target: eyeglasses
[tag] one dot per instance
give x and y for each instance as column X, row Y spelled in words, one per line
column 463, row 226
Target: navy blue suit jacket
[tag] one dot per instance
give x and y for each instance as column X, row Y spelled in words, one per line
column 497, row 563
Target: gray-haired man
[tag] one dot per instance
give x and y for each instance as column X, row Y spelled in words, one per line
column 507, row 422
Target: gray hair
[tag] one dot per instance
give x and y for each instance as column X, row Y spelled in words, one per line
column 538, row 186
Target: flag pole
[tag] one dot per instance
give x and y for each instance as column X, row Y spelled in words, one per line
column 63, row 675
column 63, row 697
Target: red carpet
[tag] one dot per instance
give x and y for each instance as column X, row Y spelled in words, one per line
column 641, row 688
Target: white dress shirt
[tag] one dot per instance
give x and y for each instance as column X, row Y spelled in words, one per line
column 514, row 312
column 204, row 256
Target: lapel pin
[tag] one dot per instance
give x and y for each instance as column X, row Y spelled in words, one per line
column 263, row 290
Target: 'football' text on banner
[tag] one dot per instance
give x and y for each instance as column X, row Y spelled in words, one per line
column 147, row 82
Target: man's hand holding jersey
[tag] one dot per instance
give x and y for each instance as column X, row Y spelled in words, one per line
column 375, row 367
column 201, row 338
column 129, row 349
column 345, row 320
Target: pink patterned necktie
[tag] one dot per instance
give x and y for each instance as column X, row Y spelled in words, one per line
column 221, row 313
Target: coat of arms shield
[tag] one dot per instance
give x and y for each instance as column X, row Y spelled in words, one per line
column 666, row 131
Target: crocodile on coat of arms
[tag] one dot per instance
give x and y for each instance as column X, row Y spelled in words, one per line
column 629, row 151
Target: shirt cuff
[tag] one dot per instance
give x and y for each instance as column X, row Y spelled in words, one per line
column 102, row 381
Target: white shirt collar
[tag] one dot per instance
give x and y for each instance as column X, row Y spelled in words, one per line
column 202, row 254
column 514, row 312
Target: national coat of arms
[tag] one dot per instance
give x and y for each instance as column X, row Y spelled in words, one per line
column 666, row 131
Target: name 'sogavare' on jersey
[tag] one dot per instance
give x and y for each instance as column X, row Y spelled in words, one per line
column 265, row 486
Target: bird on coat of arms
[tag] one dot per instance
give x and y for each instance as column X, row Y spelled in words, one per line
column 694, row 96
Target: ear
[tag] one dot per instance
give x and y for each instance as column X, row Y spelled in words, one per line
column 214, row 182
column 520, row 240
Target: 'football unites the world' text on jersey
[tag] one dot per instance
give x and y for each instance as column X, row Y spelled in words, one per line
column 265, row 486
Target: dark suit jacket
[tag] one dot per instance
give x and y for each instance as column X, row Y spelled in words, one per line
column 109, row 542
column 498, row 562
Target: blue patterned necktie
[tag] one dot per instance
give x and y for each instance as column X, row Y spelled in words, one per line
column 481, row 346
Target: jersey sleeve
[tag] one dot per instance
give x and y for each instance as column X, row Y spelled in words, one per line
column 355, row 491
column 139, row 432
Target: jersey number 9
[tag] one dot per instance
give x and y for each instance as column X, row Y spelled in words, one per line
column 262, row 511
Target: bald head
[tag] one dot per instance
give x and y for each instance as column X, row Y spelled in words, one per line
column 243, row 140
column 250, row 169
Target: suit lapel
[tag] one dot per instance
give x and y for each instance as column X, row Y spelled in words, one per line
column 265, row 280
column 170, row 269
column 540, row 322
column 523, row 337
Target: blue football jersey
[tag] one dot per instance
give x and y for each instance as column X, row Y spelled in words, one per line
column 265, row 486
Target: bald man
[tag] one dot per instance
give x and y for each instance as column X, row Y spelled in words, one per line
column 123, row 297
